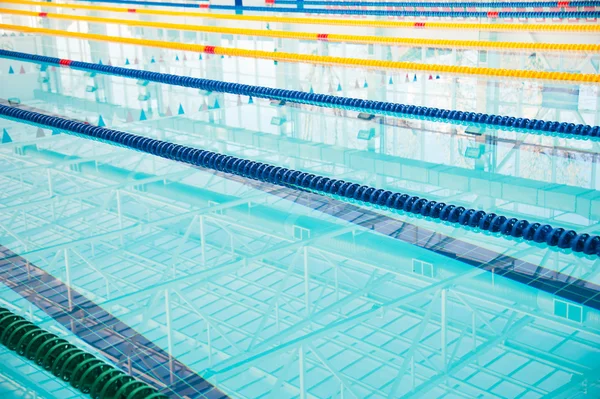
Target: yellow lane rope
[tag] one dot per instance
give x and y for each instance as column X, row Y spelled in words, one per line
column 506, row 46
column 321, row 59
column 327, row 21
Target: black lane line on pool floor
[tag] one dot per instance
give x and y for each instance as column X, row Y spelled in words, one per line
column 124, row 346
column 573, row 289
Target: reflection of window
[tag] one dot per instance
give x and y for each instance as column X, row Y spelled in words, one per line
column 300, row 233
column 422, row 268
column 75, row 167
column 483, row 56
column 568, row 310
column 213, row 203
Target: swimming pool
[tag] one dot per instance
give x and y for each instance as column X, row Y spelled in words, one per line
column 205, row 283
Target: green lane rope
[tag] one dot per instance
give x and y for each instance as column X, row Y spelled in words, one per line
column 81, row 369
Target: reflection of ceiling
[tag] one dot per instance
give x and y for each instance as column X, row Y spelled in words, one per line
column 502, row 185
column 295, row 309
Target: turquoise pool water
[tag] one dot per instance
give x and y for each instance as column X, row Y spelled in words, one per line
column 267, row 292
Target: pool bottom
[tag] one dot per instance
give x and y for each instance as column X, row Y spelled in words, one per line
column 556, row 283
column 352, row 213
column 101, row 330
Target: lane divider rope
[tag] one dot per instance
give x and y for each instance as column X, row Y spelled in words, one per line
column 322, row 59
column 496, row 27
column 326, row 100
column 380, row 13
column 326, row 37
column 461, row 4
column 81, row 369
column 298, row 180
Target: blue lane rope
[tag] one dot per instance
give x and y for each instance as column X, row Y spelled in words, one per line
column 509, row 123
column 382, row 13
column 483, row 4
column 429, row 14
column 295, row 179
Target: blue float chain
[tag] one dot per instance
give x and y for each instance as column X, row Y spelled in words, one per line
column 483, row 4
column 382, row 13
column 427, row 14
column 459, row 215
column 326, row 100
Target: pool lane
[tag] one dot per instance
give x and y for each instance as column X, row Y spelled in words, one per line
column 282, row 56
column 571, row 103
column 472, row 119
column 101, row 330
column 383, row 136
column 327, row 46
column 418, row 158
column 388, row 41
column 556, row 189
